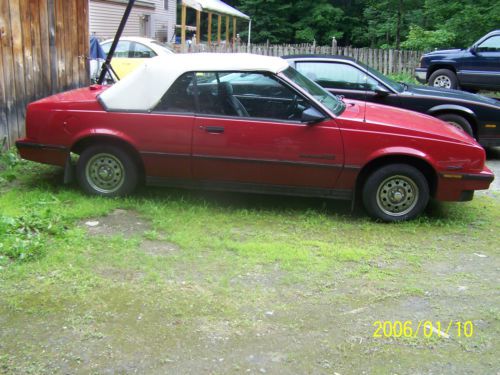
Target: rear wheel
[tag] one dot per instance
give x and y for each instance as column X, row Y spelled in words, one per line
column 107, row 171
column 443, row 78
column 458, row 122
column 395, row 192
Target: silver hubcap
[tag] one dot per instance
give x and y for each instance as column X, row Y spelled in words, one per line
column 105, row 173
column 442, row 81
column 397, row 195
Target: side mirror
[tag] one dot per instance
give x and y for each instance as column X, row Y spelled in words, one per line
column 312, row 116
column 381, row 91
column 473, row 50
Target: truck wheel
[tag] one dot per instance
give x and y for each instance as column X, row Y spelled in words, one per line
column 458, row 122
column 107, row 171
column 443, row 78
column 395, row 192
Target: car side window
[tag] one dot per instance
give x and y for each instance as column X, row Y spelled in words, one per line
column 122, row 48
column 336, row 75
column 180, row 97
column 490, row 45
column 248, row 94
column 141, row 51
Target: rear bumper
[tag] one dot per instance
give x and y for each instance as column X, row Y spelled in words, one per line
column 421, row 75
column 42, row 153
column 460, row 186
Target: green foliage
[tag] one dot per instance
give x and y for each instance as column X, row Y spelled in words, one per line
column 25, row 237
column 420, row 39
column 412, row 24
column 269, row 20
column 320, row 24
column 404, row 77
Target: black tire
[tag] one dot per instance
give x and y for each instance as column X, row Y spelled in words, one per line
column 107, row 171
column 444, row 78
column 458, row 122
column 395, row 192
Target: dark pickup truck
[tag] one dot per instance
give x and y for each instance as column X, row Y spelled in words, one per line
column 472, row 69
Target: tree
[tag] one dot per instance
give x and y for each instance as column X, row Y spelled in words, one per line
column 319, row 22
column 270, row 19
column 420, row 39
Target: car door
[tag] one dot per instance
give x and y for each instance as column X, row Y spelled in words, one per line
column 345, row 79
column 166, row 134
column 482, row 65
column 248, row 140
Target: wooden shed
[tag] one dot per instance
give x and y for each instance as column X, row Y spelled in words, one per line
column 44, row 46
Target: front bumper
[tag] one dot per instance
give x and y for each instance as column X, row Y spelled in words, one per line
column 460, row 186
column 421, row 75
column 42, row 153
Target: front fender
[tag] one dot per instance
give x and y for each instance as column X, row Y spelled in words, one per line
column 451, row 108
column 400, row 151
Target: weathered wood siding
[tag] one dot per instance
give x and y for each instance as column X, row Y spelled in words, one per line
column 105, row 16
column 43, row 50
column 388, row 61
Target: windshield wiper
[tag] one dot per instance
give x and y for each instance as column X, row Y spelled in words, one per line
column 405, row 85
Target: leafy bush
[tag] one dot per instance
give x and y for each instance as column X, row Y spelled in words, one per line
column 420, row 39
column 25, row 237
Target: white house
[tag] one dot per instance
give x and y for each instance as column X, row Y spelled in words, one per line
column 149, row 18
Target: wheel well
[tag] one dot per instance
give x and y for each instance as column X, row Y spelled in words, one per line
column 467, row 116
column 433, row 68
column 421, row 165
column 84, row 143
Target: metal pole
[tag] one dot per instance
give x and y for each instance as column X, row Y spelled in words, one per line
column 249, row 35
column 107, row 64
column 183, row 28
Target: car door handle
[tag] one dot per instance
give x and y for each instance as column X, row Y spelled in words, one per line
column 213, row 129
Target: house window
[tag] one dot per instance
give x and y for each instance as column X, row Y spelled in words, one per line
column 165, row 4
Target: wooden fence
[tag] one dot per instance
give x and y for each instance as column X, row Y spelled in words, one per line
column 43, row 50
column 388, row 61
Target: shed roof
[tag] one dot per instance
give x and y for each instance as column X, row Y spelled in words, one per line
column 215, row 6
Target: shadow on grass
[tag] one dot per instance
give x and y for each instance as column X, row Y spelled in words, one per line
column 51, row 179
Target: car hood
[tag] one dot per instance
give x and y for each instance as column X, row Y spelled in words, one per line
column 381, row 118
column 444, row 52
column 450, row 94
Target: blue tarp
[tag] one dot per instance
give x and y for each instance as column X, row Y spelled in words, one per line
column 96, row 51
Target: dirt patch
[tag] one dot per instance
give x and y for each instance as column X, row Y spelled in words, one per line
column 118, row 223
column 120, row 275
column 159, row 248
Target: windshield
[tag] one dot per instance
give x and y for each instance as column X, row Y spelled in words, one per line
column 161, row 45
column 389, row 82
column 330, row 101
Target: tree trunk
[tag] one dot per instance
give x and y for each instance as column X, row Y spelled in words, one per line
column 398, row 24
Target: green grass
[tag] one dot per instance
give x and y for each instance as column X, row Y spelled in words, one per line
column 404, row 77
column 307, row 261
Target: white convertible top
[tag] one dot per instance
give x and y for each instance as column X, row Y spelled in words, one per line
column 143, row 88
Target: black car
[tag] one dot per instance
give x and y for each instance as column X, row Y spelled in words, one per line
column 475, row 114
column 474, row 68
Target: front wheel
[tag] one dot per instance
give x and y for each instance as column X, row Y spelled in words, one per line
column 396, row 192
column 444, row 78
column 107, row 171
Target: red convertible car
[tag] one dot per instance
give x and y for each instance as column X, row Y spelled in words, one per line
column 253, row 124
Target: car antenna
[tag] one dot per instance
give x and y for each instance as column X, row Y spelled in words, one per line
column 106, row 65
